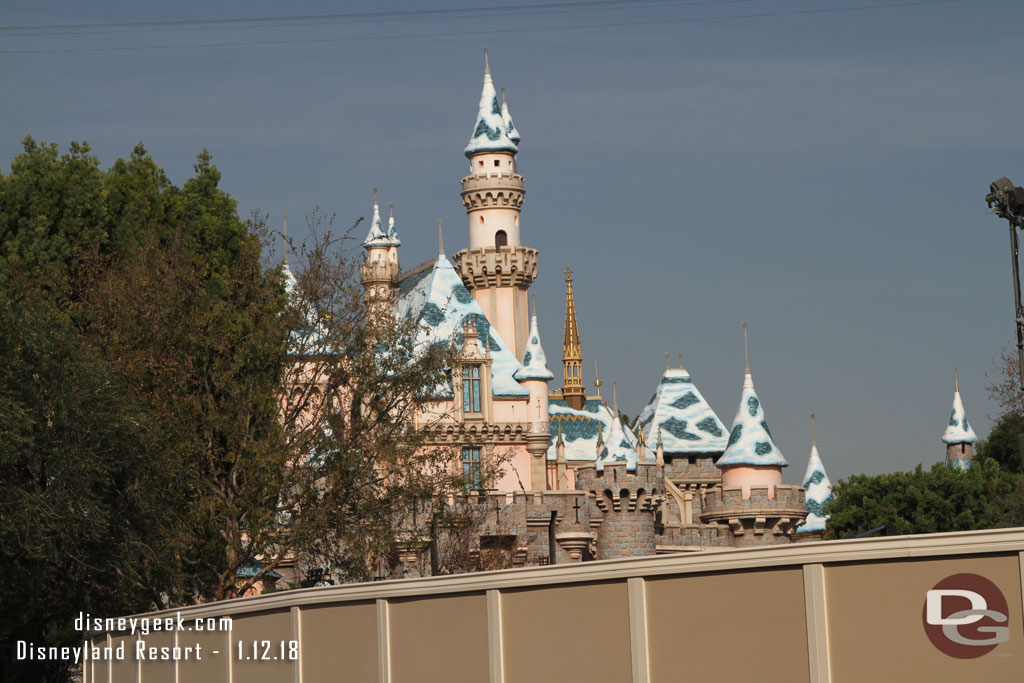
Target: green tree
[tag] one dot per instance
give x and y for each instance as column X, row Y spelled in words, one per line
column 924, row 501
column 1002, row 444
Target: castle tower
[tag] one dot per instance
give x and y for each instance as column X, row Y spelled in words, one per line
column 496, row 268
column 535, row 375
column 572, row 353
column 752, row 501
column 959, row 436
column 818, row 490
column 628, row 490
column 379, row 272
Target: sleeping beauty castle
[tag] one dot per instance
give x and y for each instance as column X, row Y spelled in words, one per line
column 574, row 482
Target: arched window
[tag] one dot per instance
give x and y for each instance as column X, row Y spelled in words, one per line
column 500, row 239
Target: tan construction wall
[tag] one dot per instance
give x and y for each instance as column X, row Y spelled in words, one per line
column 838, row 611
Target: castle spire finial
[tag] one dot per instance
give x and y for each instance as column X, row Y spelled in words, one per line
column 615, row 397
column 814, row 438
column 487, row 63
column 680, row 360
column 668, row 363
column 375, row 196
column 597, row 379
column 746, row 349
column 956, row 380
column 284, row 258
column 391, row 210
column 440, row 239
column 572, row 352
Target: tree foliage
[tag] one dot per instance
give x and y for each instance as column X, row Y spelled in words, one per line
column 175, row 411
column 924, row 501
column 1003, row 444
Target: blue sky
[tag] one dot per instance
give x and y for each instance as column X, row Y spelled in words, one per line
column 819, row 174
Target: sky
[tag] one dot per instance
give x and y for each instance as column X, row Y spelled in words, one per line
column 816, row 168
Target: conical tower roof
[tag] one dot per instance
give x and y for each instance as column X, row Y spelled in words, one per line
column 959, row 429
column 510, row 128
column 378, row 237
column 620, row 446
column 535, row 363
column 490, row 132
column 750, row 442
column 818, row 487
column 679, row 410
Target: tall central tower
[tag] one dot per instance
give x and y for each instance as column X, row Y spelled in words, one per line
column 496, row 268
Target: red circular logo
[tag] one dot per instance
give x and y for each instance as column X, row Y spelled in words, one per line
column 965, row 616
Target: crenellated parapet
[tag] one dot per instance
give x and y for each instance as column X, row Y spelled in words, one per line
column 768, row 515
column 486, row 267
column 628, row 502
column 493, row 190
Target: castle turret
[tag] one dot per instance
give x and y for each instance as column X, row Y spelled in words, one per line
column 818, row 490
column 572, row 353
column 959, row 436
column 379, row 272
column 752, row 500
column 628, row 490
column 496, row 268
column 535, row 375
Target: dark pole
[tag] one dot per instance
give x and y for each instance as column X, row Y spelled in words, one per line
column 1018, row 314
column 1007, row 201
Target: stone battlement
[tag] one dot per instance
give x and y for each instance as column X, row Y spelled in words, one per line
column 378, row 271
column 486, row 190
column 756, row 519
column 487, row 267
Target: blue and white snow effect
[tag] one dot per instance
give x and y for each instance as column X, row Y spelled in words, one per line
column 959, row 429
column 535, row 363
column 580, row 428
column 819, row 493
column 378, row 237
column 440, row 303
column 750, row 442
column 687, row 422
column 491, row 130
column 618, row 447
column 510, row 128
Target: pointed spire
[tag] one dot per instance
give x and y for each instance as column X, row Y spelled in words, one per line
column 284, row 258
column 440, row 239
column 668, row 363
column 510, row 128
column 535, row 362
column 680, row 360
column 572, row 353
column 597, row 380
column 560, row 442
column 615, row 397
column 600, row 438
column 818, row 488
column 392, row 231
column 959, row 429
column 956, row 380
column 490, row 132
column 750, row 442
column 377, row 237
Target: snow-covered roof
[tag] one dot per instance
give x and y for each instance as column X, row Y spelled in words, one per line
column 378, row 237
column 491, row 130
column 620, row 446
column 959, row 430
column 580, row 428
column 819, row 492
column 687, row 422
column 440, row 303
column 535, row 363
column 750, row 442
column 510, row 128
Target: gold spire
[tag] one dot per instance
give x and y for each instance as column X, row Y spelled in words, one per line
column 597, row 379
column 572, row 354
column 956, row 380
